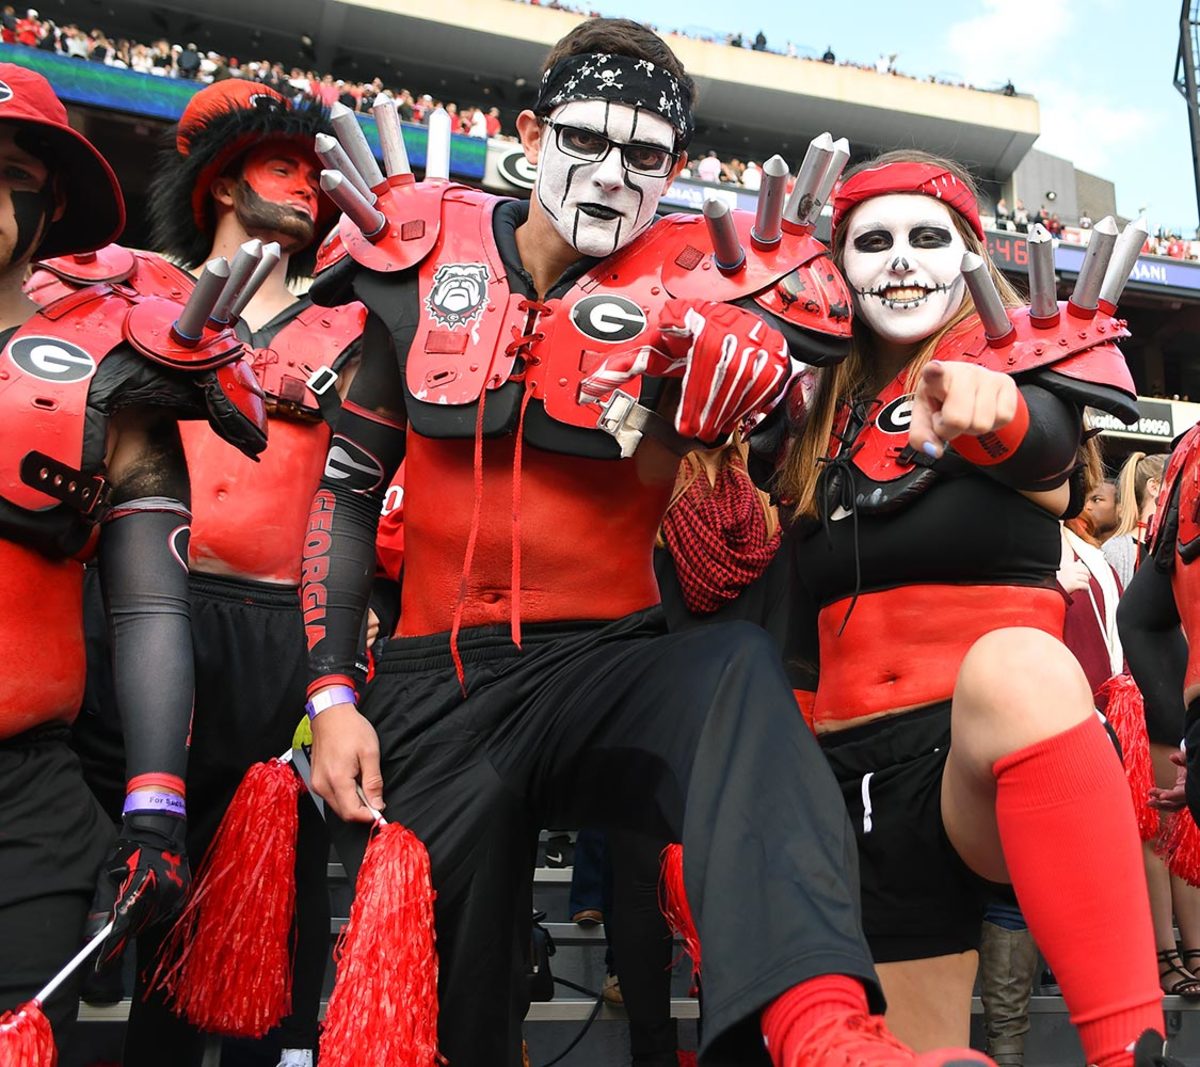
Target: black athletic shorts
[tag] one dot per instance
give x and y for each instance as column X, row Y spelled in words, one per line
column 919, row 898
column 53, row 838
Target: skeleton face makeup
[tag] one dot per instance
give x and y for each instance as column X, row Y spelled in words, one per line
column 902, row 260
column 599, row 205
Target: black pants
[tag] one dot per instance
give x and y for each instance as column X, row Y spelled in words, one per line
column 251, row 674
column 53, row 838
column 642, row 947
column 691, row 737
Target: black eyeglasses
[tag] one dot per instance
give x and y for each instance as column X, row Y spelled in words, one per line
column 653, row 161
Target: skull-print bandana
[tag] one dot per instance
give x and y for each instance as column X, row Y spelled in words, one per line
column 620, row 79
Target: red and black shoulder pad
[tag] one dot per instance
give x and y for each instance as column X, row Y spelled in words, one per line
column 145, row 273
column 1082, row 349
column 112, row 263
column 148, row 327
column 1177, row 516
column 413, row 211
column 794, row 280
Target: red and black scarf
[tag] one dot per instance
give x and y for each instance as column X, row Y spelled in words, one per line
column 718, row 538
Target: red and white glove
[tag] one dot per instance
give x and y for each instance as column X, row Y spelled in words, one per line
column 732, row 365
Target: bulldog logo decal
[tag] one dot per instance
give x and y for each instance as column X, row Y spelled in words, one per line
column 459, row 293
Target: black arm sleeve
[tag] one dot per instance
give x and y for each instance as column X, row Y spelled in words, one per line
column 339, row 547
column 1047, row 453
column 1148, row 621
column 143, row 572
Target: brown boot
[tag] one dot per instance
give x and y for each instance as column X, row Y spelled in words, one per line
column 1007, row 962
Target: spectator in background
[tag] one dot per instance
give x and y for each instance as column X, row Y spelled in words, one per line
column 139, row 59
column 1085, row 220
column 731, row 172
column 829, row 57
column 493, row 122
column 8, row 25
column 752, row 176
column 1021, row 218
column 1004, row 215
column 162, row 62
column 479, row 123
column 187, row 65
column 326, row 91
column 404, row 104
column 29, row 29
column 1054, row 225
column 1137, row 496
column 760, row 42
column 51, row 35
column 1176, row 249
column 709, row 168
column 101, row 48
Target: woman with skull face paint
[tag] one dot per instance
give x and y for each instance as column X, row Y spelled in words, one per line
column 925, row 492
column 532, row 682
column 92, row 468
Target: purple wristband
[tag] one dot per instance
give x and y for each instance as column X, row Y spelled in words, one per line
column 151, row 800
column 327, row 698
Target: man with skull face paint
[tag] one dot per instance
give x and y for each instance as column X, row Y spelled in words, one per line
column 90, row 392
column 532, row 682
column 926, row 542
column 240, row 166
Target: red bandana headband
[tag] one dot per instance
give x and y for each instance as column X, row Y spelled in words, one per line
column 926, row 179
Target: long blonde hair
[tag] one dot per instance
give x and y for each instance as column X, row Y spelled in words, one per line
column 1138, row 472
column 853, row 377
column 732, row 455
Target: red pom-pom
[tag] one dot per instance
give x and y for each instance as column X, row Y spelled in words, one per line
column 226, row 965
column 672, row 899
column 1126, row 713
column 384, row 1006
column 26, row 1039
column 1181, row 847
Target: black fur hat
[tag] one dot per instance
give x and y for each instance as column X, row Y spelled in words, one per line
column 221, row 122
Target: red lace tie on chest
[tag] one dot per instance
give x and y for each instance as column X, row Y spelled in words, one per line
column 520, row 341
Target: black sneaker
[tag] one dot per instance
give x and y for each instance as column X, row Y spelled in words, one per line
column 560, row 852
column 1150, row 1050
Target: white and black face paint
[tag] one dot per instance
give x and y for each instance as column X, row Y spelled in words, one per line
column 599, row 206
column 902, row 260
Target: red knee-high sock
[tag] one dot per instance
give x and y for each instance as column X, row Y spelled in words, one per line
column 792, row 1015
column 1072, row 848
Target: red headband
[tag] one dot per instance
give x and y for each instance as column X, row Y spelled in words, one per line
column 925, row 179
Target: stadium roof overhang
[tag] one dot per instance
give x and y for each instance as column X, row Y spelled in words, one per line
column 762, row 99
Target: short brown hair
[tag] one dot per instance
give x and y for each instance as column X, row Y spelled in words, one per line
column 622, row 37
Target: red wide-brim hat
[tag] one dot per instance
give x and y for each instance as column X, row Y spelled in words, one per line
column 95, row 209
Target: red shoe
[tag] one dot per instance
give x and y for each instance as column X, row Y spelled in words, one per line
column 856, row 1040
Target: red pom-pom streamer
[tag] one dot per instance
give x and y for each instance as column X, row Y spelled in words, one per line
column 226, row 965
column 26, row 1039
column 384, row 1006
column 672, row 899
column 1126, row 713
column 1181, row 847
